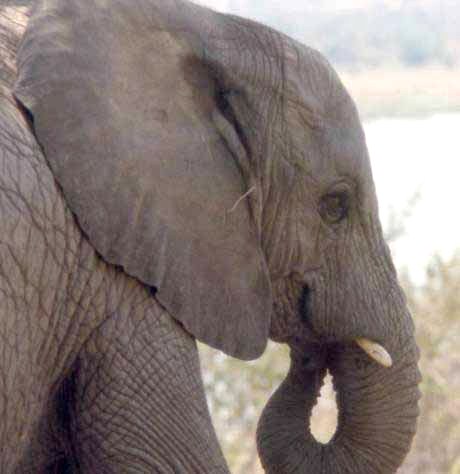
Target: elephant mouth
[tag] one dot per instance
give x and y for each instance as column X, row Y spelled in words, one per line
column 311, row 341
column 315, row 356
column 306, row 312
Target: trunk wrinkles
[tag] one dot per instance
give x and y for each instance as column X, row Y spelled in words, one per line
column 377, row 415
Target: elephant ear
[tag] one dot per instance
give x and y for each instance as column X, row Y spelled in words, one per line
column 124, row 106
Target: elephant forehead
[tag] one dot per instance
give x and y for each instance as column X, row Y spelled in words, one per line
column 325, row 130
column 311, row 81
column 324, row 149
column 343, row 146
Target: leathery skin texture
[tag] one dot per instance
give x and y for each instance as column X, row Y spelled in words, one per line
column 95, row 376
column 175, row 174
column 104, row 380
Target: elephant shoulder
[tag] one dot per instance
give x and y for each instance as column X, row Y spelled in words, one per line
column 13, row 22
column 27, row 184
column 39, row 234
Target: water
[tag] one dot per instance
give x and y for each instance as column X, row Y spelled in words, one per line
column 422, row 156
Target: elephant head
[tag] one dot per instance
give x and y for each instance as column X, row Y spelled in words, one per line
column 224, row 164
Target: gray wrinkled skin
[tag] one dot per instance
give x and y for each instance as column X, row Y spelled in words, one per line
column 129, row 369
column 169, row 173
column 95, row 376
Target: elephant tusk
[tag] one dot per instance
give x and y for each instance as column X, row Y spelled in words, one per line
column 375, row 351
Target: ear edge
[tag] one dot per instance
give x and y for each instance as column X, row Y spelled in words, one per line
column 32, row 97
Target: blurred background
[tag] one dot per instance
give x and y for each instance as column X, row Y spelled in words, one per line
column 400, row 60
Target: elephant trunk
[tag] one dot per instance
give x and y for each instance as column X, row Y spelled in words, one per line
column 377, row 414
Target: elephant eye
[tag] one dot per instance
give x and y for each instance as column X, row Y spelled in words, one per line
column 334, row 207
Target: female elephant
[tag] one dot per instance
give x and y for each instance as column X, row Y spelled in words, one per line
column 170, row 173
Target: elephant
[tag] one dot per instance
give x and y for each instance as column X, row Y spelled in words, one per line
column 172, row 174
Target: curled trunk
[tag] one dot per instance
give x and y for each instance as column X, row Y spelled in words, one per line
column 377, row 415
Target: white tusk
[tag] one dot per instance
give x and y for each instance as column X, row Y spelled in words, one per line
column 375, row 351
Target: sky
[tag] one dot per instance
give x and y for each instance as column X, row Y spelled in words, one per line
column 409, row 157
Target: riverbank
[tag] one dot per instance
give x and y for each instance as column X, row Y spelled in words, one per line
column 411, row 93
